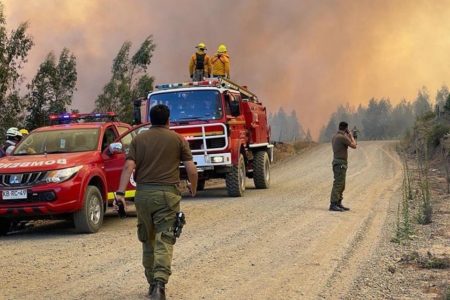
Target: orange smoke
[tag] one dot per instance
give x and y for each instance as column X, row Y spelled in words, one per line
column 305, row 55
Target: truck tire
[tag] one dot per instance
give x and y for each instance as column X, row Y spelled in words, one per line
column 235, row 180
column 90, row 218
column 201, row 184
column 261, row 170
column 5, row 226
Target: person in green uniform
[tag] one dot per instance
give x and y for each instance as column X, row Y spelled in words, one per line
column 340, row 143
column 155, row 157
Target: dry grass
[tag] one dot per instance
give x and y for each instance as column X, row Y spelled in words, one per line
column 283, row 151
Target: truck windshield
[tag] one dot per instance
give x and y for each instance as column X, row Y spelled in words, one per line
column 189, row 105
column 59, row 141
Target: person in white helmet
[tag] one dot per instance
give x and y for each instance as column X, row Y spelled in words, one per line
column 13, row 136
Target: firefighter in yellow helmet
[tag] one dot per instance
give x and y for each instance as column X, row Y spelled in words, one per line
column 200, row 64
column 221, row 63
column 24, row 132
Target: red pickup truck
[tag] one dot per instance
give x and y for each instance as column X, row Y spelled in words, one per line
column 63, row 171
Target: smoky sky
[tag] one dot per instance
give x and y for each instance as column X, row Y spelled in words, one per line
column 307, row 55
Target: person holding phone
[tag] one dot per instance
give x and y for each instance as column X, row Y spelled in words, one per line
column 340, row 143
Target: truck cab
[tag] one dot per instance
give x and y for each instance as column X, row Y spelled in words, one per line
column 63, row 171
column 226, row 127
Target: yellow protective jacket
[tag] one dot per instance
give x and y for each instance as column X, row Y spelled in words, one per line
column 221, row 65
column 206, row 64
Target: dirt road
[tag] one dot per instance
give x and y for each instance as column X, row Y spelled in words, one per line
column 280, row 243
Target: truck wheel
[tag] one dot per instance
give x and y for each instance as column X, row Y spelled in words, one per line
column 90, row 218
column 261, row 170
column 201, row 184
column 235, row 180
column 5, row 226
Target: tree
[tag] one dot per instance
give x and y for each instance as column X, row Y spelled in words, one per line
column 294, row 130
column 402, row 118
column 308, row 137
column 285, row 128
column 129, row 80
column 441, row 97
column 422, row 103
column 376, row 121
column 13, row 53
column 51, row 90
column 280, row 127
column 447, row 104
column 64, row 82
column 330, row 129
column 379, row 120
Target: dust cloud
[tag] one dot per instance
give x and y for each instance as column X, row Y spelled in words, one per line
column 306, row 55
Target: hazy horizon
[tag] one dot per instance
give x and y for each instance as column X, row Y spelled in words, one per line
column 309, row 56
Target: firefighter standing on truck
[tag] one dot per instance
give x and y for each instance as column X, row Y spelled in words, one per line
column 200, row 64
column 155, row 156
column 221, row 63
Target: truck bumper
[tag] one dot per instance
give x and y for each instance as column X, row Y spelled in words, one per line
column 210, row 161
column 44, row 200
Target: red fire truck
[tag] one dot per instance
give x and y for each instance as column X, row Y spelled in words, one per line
column 226, row 127
column 63, row 171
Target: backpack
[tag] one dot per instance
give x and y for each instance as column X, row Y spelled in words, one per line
column 200, row 61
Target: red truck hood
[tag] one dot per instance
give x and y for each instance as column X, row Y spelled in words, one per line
column 33, row 163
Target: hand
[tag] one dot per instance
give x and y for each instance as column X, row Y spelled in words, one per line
column 118, row 199
column 189, row 186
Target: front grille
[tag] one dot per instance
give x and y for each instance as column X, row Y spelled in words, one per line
column 195, row 144
column 215, row 143
column 24, row 179
column 212, row 144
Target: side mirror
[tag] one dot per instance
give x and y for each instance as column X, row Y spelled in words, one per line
column 115, row 148
column 234, row 108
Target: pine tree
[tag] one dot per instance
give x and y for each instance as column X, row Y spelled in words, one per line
column 422, row 103
column 377, row 119
column 308, row 137
column 441, row 96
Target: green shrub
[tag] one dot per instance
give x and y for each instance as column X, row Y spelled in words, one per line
column 436, row 133
column 428, row 116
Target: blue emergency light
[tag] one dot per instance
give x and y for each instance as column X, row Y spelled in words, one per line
column 66, row 118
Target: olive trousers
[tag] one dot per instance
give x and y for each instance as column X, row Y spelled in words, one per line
column 156, row 208
column 339, row 172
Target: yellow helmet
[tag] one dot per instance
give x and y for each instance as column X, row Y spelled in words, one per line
column 222, row 48
column 24, row 131
column 201, row 46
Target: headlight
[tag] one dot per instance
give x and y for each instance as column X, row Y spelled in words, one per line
column 217, row 159
column 57, row 176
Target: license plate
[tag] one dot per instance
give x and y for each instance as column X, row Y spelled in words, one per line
column 14, row 194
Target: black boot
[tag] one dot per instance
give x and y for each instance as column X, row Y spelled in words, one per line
column 150, row 289
column 335, row 207
column 159, row 291
column 342, row 206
